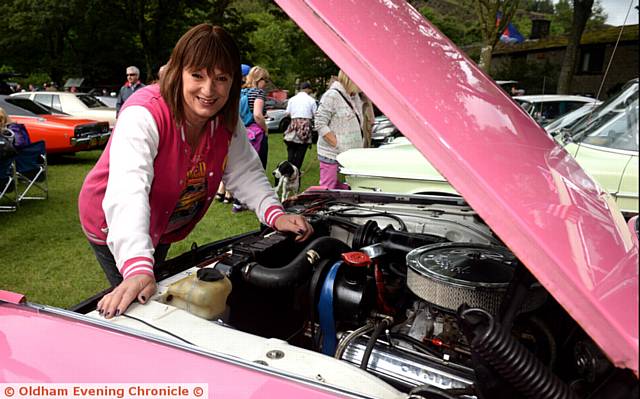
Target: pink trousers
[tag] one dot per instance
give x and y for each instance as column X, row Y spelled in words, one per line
column 329, row 176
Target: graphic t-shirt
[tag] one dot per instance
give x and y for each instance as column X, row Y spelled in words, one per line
column 192, row 198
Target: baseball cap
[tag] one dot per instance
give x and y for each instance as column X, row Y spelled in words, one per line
column 245, row 69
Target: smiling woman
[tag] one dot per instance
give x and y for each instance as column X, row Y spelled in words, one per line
column 172, row 145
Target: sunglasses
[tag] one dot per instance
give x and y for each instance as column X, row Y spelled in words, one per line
column 132, row 74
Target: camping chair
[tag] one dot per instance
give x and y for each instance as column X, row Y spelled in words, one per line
column 31, row 171
column 8, row 186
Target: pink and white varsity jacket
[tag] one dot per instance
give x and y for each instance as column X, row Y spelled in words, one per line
column 128, row 197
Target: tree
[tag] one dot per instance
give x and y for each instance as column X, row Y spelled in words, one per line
column 581, row 14
column 491, row 29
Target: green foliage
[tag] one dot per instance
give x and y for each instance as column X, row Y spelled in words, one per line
column 283, row 48
column 45, row 255
column 562, row 18
column 541, row 6
column 96, row 40
column 461, row 32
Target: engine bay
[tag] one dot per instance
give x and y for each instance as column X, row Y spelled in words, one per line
column 415, row 293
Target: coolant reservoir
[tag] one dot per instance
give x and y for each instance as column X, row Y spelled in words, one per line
column 203, row 294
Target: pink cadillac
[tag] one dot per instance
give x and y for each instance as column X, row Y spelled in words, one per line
column 526, row 288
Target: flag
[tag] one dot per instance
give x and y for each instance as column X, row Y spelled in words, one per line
column 510, row 35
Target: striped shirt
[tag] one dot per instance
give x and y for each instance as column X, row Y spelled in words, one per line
column 254, row 94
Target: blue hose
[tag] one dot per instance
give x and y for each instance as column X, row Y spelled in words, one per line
column 325, row 311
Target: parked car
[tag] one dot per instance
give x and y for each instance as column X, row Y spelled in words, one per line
column 527, row 287
column 61, row 133
column 545, row 108
column 383, row 130
column 611, row 160
column 277, row 120
column 76, row 104
column 606, row 146
column 567, row 121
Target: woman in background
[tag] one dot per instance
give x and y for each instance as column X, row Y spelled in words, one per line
column 338, row 121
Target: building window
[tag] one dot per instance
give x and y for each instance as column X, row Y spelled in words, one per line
column 591, row 59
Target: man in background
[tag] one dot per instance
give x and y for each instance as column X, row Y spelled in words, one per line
column 133, row 83
column 297, row 137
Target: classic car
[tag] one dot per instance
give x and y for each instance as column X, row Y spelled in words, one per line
column 61, row 133
column 545, row 108
column 527, row 287
column 77, row 104
column 605, row 144
column 383, row 130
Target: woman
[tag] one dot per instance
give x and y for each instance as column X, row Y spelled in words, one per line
column 172, row 145
column 256, row 81
column 338, row 121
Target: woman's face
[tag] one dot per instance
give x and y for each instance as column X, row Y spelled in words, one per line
column 204, row 95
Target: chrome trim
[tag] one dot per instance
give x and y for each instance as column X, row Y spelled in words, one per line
column 97, row 139
column 607, row 149
column 626, row 195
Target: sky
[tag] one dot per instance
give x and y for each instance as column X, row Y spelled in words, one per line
column 617, row 9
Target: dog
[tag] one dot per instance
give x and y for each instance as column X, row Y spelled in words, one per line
column 288, row 177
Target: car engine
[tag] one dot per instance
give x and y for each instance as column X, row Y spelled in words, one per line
column 417, row 291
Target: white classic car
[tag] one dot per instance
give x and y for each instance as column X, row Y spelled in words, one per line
column 76, row 104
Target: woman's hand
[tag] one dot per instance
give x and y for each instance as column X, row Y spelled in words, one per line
column 294, row 223
column 140, row 286
column 331, row 139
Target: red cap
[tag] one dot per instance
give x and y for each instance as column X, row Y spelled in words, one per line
column 357, row 259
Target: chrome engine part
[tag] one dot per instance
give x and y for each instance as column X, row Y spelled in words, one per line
column 408, row 368
column 450, row 274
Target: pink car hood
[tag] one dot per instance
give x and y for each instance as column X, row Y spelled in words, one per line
column 561, row 225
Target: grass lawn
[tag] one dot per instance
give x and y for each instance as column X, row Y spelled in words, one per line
column 44, row 254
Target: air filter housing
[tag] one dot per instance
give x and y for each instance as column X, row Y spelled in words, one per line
column 450, row 274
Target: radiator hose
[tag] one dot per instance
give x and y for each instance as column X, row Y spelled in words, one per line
column 299, row 269
column 510, row 358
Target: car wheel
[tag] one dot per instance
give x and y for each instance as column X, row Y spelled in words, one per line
column 284, row 124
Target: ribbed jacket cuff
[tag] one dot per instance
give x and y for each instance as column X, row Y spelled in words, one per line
column 273, row 213
column 135, row 266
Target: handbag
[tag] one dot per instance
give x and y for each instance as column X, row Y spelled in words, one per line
column 7, row 149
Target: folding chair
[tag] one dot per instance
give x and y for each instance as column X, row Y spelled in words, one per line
column 8, row 186
column 31, row 171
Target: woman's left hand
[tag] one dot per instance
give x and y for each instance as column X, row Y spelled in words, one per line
column 296, row 224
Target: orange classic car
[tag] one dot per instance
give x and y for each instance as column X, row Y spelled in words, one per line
column 62, row 133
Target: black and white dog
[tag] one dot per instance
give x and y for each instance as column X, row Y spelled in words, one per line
column 288, row 177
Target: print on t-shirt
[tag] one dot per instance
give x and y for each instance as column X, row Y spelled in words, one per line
column 192, row 198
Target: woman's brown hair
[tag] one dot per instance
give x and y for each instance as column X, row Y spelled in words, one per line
column 203, row 46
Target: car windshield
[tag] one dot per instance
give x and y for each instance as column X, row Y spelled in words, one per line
column 91, row 101
column 569, row 120
column 614, row 124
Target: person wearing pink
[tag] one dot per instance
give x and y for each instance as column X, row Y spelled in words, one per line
column 172, row 145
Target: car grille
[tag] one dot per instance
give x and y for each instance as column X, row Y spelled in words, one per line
column 91, row 129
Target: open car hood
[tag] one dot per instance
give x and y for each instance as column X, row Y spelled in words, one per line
column 545, row 208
